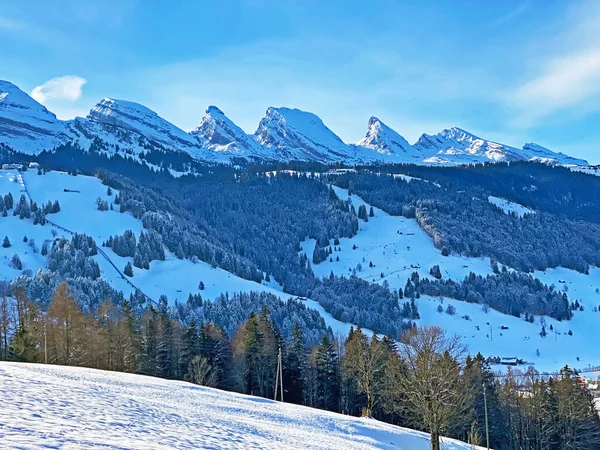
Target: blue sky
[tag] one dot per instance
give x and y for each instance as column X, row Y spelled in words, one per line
column 513, row 71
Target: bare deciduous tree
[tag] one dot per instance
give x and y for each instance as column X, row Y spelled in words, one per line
column 432, row 384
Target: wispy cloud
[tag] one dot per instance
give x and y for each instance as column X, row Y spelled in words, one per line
column 9, row 24
column 68, row 87
column 568, row 79
column 512, row 14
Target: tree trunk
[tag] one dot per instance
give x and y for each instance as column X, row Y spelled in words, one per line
column 435, row 440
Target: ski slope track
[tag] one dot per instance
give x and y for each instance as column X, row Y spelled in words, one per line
column 284, row 134
column 73, row 407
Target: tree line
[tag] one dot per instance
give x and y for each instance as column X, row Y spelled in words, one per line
column 460, row 219
column 425, row 381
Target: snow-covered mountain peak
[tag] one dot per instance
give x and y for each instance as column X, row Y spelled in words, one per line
column 220, row 134
column 13, row 97
column 140, row 119
column 299, row 135
column 25, row 124
column 383, row 139
column 459, row 134
column 284, row 134
column 212, row 109
column 455, row 145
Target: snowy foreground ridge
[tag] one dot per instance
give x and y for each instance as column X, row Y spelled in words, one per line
column 71, row 407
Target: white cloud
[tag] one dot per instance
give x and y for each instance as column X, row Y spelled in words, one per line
column 67, row 87
column 568, row 79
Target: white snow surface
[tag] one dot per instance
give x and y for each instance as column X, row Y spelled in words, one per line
column 294, row 134
column 397, row 256
column 174, row 277
column 510, row 207
column 135, row 117
column 457, row 146
column 219, row 134
column 70, row 407
column 25, row 124
column 387, row 145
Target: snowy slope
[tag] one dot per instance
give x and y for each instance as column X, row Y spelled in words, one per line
column 25, row 124
column 455, row 145
column 145, row 122
column 535, row 152
column 510, row 207
column 299, row 135
column 383, row 143
column 174, row 277
column 397, row 247
column 69, row 407
column 16, row 229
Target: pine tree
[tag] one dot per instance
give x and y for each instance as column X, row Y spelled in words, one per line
column 164, row 347
column 327, row 376
column 294, row 364
column 128, row 269
column 6, row 242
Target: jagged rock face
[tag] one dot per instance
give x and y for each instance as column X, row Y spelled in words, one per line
column 299, row 135
column 384, row 144
column 458, row 146
column 134, row 117
column 455, row 144
column 284, row 134
column 217, row 133
column 383, row 139
column 26, row 125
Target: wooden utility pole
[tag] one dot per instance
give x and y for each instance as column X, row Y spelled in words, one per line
column 487, row 429
column 45, row 345
column 279, row 377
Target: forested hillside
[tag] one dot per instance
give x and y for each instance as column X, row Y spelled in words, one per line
column 276, row 230
column 459, row 218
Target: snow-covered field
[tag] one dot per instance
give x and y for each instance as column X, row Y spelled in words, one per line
column 397, row 256
column 510, row 207
column 396, row 246
column 68, row 407
column 378, row 241
column 173, row 277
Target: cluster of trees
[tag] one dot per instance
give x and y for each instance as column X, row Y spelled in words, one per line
column 354, row 300
column 426, row 383
column 148, row 248
column 508, row 292
column 74, row 258
column 102, row 204
column 25, row 209
column 228, row 311
column 463, row 221
column 253, row 226
column 554, row 189
column 248, row 225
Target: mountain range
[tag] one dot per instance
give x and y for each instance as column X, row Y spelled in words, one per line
column 122, row 127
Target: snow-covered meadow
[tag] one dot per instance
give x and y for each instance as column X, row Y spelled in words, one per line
column 77, row 195
column 510, row 207
column 397, row 247
column 70, row 407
